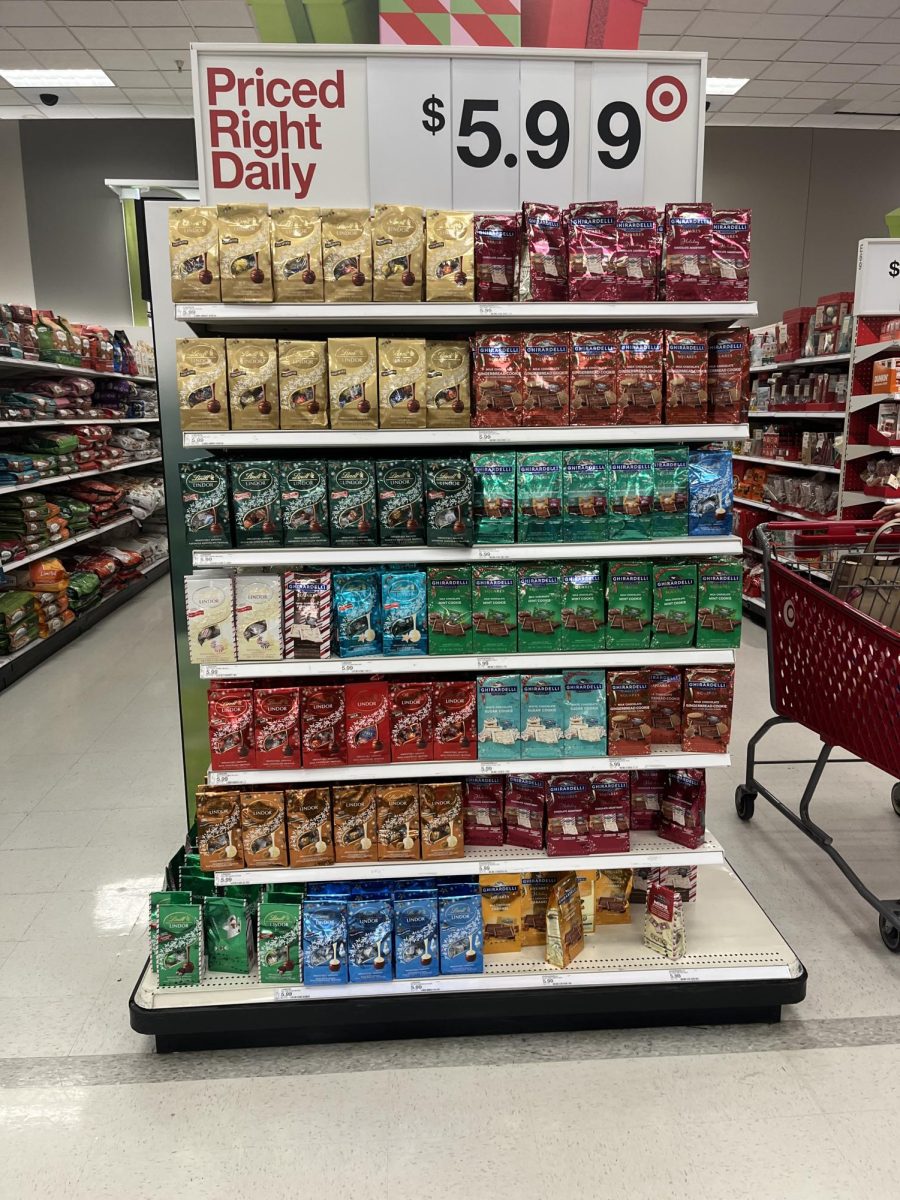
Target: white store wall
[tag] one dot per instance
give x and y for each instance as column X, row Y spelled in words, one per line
column 16, row 279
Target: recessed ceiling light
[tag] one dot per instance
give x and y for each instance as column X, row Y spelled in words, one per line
column 722, row 85
column 62, row 79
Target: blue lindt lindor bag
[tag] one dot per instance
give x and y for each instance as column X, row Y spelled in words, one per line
column 325, row 941
column 370, row 926
column 356, row 598
column 711, row 493
column 416, row 949
column 405, row 614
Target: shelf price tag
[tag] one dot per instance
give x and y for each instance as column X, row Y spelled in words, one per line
column 556, row 980
column 292, row 993
column 486, row 664
column 422, row 987
column 677, row 975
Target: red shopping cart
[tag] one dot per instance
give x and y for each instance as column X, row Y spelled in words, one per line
column 833, row 667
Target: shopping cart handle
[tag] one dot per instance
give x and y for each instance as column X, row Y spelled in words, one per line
column 835, row 533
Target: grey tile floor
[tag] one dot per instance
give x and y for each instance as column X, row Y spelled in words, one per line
column 90, row 807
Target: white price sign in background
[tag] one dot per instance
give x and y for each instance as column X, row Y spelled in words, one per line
column 468, row 128
column 877, row 291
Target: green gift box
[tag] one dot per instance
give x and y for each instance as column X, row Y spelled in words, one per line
column 343, row 20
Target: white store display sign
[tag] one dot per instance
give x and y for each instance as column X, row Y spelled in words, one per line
column 479, row 129
column 877, row 291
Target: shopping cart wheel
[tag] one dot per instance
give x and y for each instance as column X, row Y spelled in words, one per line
column 745, row 802
column 895, row 798
column 890, row 935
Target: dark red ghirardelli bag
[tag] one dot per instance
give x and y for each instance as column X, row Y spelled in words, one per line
column 639, row 381
column 497, row 256
column 591, row 240
column 683, row 813
column 546, row 379
column 729, row 379
column 609, row 813
column 568, row 807
column 231, row 742
column 525, row 810
column 276, row 713
column 686, row 377
column 322, row 726
column 367, row 722
column 729, row 255
column 483, row 811
column 498, row 367
column 454, row 720
column 544, row 259
column 411, row 722
column 592, row 383
column 638, row 249
column 687, row 251
column 646, row 796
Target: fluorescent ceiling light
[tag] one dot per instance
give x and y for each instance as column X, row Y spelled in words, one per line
column 61, row 79
column 722, row 85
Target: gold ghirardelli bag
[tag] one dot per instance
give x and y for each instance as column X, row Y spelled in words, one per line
column 302, row 385
column 253, row 382
column 398, row 242
column 450, row 256
column 202, row 383
column 194, row 254
column 245, row 260
column 448, row 396
column 402, row 383
column 347, row 254
column 296, row 238
column 353, row 383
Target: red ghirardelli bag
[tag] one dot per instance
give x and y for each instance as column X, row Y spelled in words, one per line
column 687, row 253
column 665, row 706
column 497, row 256
column 609, row 812
column 638, row 249
column 568, row 809
column 639, row 381
column 592, row 384
column 706, row 716
column 411, row 722
column 483, row 811
column 231, row 740
column 322, row 726
column 367, row 721
column 544, row 259
column 525, row 810
column 498, row 366
column 454, row 720
column 591, row 239
column 646, row 797
column 728, row 382
column 729, row 255
column 683, row 812
column 628, row 712
column 546, row 379
column 686, row 377
column 276, row 713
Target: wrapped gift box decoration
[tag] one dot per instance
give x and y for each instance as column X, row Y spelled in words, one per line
column 595, row 24
column 615, row 24
column 414, row 22
column 486, row 22
column 342, row 21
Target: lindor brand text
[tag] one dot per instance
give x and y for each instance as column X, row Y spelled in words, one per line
column 275, row 141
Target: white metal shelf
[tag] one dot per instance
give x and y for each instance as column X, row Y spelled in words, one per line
column 226, row 316
column 24, row 426
column 647, row 850
column 861, row 450
column 38, row 485
column 728, row 936
column 563, row 660
column 322, row 440
column 25, row 366
column 59, row 547
column 787, row 513
column 755, row 602
column 851, row 499
column 662, row 758
column 867, row 399
column 796, row 414
column 693, row 547
column 864, row 353
column 817, row 360
column 785, row 462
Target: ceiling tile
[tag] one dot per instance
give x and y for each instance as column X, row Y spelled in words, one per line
column 777, row 120
column 809, row 51
column 714, row 47
column 26, row 12
column 789, row 70
column 19, row 59
column 866, row 91
column 68, row 112
column 98, row 37
column 172, row 112
column 8, row 42
column 870, row 107
column 866, row 8
column 711, row 24
column 130, row 79
column 804, row 7
column 844, row 29
column 818, row 91
column 150, row 96
column 763, row 49
column 113, row 110
column 86, row 12
column 124, row 60
column 65, row 60
column 160, row 12
column 248, row 35
column 165, row 37
column 841, row 73
column 9, row 95
column 873, row 53
column 795, row 104
column 657, row 43
column 24, row 112
column 179, row 80
column 766, row 87
column 886, row 74
column 884, row 31
column 732, row 118
column 165, row 59
column 108, row 95
column 740, row 68
column 47, row 37
column 656, row 21
column 784, row 27
column 749, row 104
column 696, row 5
column 212, row 12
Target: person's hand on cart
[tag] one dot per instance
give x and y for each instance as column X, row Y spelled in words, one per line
column 890, row 512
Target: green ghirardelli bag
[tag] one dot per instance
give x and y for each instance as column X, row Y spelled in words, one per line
column 495, row 498
column 583, row 606
column 304, row 502
column 540, row 607
column 539, row 496
column 674, row 605
column 670, row 499
column 630, row 494
column 450, row 626
column 629, row 605
column 585, row 484
column 720, row 607
column 494, row 607
column 228, row 929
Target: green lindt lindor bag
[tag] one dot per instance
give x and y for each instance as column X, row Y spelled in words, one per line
column 630, row 494
column 278, row 936
column 450, row 626
column 495, row 498
column 539, row 496
column 160, row 900
column 670, row 498
column 540, row 607
column 228, row 929
column 179, row 945
column 674, row 605
column 583, row 606
column 494, row 609
column 629, row 605
column 585, row 483
column 719, row 603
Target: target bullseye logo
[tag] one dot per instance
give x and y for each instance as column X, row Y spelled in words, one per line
column 666, row 98
column 789, row 613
